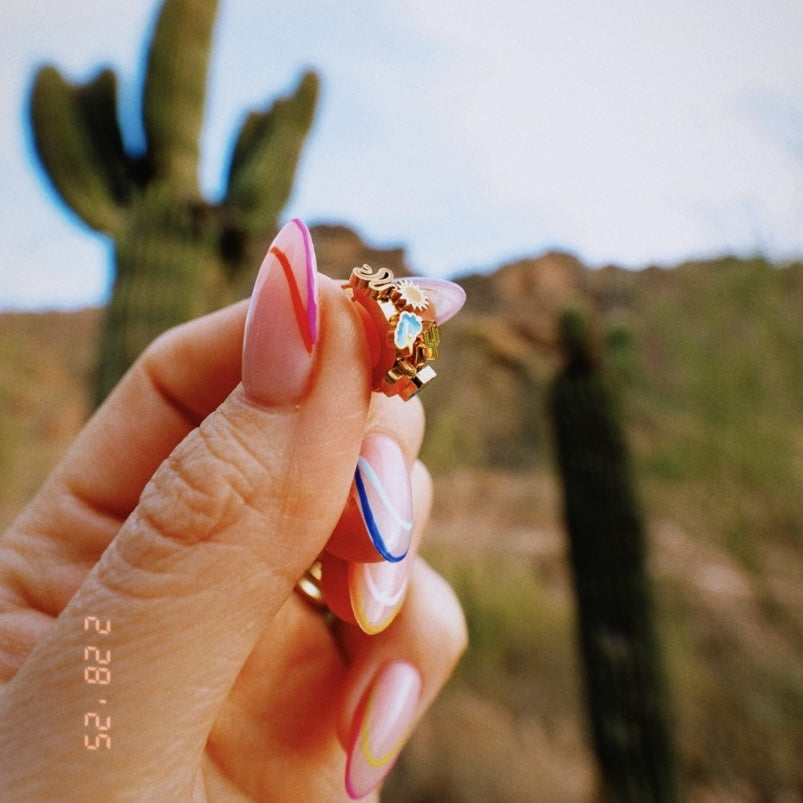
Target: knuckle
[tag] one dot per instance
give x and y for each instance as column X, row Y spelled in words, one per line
column 204, row 487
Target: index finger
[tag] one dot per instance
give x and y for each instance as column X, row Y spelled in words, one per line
column 181, row 377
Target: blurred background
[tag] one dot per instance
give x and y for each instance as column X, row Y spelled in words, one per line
column 639, row 163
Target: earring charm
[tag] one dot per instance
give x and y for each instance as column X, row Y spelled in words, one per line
column 406, row 314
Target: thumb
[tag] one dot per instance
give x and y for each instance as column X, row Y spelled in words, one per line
column 157, row 633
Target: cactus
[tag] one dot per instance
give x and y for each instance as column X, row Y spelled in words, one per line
column 175, row 254
column 622, row 665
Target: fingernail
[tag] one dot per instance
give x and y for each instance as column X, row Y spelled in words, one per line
column 383, row 495
column 381, row 727
column 282, row 324
column 377, row 592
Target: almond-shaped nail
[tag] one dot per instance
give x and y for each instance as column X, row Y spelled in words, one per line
column 383, row 496
column 377, row 519
column 282, row 324
column 376, row 591
column 381, row 727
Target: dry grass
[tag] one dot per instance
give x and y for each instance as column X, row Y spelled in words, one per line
column 512, row 726
column 44, row 365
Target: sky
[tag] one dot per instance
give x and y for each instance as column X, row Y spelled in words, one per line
column 472, row 133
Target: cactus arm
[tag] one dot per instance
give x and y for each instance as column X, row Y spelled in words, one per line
column 78, row 141
column 265, row 157
column 176, row 256
column 175, row 87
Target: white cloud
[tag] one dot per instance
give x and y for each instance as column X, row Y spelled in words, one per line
column 620, row 116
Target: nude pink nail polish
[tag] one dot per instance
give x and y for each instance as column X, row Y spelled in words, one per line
column 381, row 727
column 377, row 591
column 379, row 505
column 382, row 493
column 282, row 324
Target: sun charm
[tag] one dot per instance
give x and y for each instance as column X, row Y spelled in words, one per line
column 411, row 296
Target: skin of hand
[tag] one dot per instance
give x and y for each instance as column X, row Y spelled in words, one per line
column 151, row 643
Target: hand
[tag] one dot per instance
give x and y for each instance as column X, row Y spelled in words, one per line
column 151, row 643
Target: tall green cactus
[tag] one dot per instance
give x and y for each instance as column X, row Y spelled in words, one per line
column 622, row 662
column 176, row 255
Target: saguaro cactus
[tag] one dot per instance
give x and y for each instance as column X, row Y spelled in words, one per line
column 176, row 255
column 622, row 666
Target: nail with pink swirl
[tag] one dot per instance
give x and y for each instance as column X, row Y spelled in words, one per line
column 281, row 329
